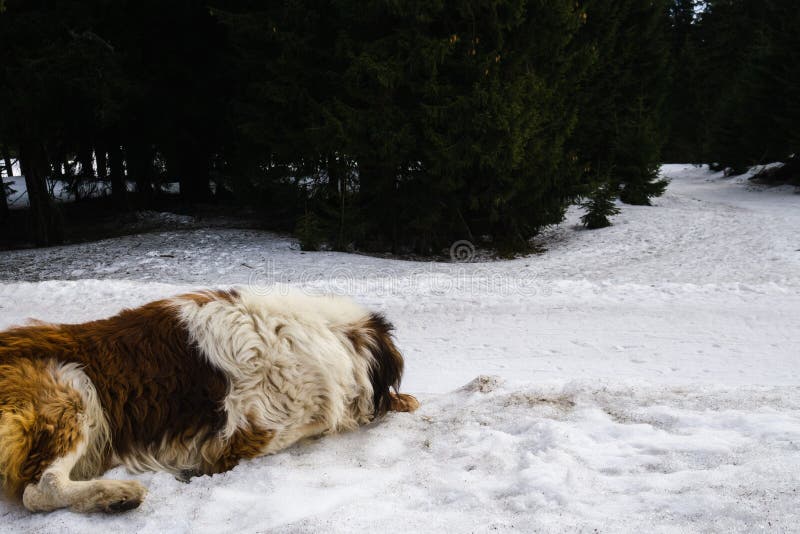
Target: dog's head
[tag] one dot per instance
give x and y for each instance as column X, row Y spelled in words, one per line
column 374, row 336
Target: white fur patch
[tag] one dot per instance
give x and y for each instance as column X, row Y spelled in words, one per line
column 290, row 364
column 96, row 435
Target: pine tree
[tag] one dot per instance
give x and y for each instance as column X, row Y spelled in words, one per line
column 454, row 115
column 309, row 232
column 35, row 63
column 746, row 53
column 621, row 124
column 457, row 115
column 599, row 207
column 645, row 82
column 729, row 28
column 638, row 156
column 685, row 116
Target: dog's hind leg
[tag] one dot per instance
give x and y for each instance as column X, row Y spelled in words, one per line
column 55, row 489
column 52, row 434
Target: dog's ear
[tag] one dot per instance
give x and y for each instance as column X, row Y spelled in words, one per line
column 374, row 335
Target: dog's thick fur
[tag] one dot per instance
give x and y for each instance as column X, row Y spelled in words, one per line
column 189, row 385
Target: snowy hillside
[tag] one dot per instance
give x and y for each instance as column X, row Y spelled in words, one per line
column 644, row 376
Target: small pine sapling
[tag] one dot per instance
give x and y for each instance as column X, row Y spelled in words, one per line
column 599, row 207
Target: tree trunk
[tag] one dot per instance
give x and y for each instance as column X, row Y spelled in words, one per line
column 102, row 163
column 9, row 173
column 7, row 162
column 3, row 201
column 86, row 158
column 378, row 198
column 45, row 225
column 119, row 187
column 193, row 171
column 69, row 176
column 140, row 167
column 336, row 168
column 86, row 176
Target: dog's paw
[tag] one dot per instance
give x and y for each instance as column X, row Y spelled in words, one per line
column 111, row 497
column 187, row 475
column 402, row 402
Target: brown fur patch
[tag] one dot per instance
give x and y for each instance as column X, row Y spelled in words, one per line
column 39, row 422
column 201, row 298
column 244, row 444
column 153, row 384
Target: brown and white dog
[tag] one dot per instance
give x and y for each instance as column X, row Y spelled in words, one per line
column 189, row 385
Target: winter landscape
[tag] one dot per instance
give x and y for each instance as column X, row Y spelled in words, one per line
column 581, row 217
column 641, row 377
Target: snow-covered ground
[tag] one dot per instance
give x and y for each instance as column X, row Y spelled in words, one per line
column 18, row 196
column 642, row 376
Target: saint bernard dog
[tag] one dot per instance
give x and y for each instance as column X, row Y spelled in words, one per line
column 189, row 385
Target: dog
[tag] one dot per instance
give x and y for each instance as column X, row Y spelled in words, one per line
column 190, row 385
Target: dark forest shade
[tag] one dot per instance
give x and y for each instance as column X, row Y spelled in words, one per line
column 385, row 125
column 735, row 100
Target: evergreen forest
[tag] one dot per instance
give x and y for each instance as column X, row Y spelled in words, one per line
column 384, row 125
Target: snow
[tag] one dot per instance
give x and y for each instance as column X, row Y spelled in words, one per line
column 639, row 377
column 16, row 169
column 18, row 199
column 18, row 196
